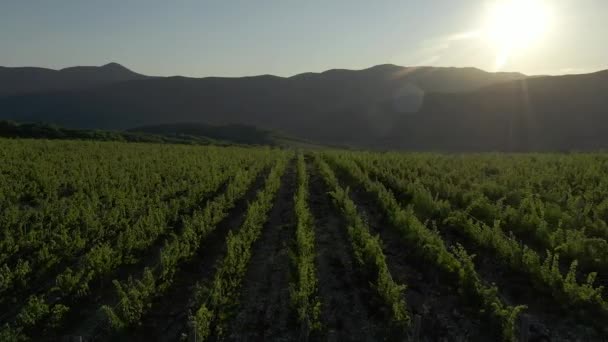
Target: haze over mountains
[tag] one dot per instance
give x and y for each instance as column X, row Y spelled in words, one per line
column 386, row 106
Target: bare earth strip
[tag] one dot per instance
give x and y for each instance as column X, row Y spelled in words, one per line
column 264, row 311
column 348, row 309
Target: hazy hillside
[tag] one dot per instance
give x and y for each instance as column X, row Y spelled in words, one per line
column 538, row 114
column 356, row 107
column 24, row 80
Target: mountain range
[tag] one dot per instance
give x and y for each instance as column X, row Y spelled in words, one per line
column 27, row 80
column 382, row 107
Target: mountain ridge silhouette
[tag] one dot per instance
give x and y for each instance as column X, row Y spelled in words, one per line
column 385, row 106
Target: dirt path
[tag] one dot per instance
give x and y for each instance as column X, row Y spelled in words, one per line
column 265, row 311
column 349, row 310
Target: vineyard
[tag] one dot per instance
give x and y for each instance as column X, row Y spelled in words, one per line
column 112, row 241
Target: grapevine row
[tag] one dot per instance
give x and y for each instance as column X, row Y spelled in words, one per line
column 529, row 219
column 212, row 314
column 304, row 289
column 136, row 296
column 367, row 248
column 545, row 273
column 101, row 260
column 430, row 246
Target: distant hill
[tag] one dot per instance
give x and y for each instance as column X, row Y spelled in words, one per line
column 559, row 113
column 26, row 80
column 234, row 134
column 182, row 133
column 11, row 129
column 346, row 107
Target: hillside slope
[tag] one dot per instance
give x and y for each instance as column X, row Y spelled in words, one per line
column 537, row 114
column 356, row 107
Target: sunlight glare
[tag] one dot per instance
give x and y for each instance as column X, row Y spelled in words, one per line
column 512, row 26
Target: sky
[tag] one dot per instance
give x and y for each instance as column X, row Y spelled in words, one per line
column 250, row 37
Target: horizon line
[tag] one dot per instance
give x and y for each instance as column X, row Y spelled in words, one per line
column 565, row 72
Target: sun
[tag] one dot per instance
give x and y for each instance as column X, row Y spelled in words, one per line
column 512, row 26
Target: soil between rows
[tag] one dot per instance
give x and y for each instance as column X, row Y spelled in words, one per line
column 265, row 311
column 350, row 311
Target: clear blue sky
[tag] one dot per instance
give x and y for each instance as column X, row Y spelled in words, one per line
column 284, row 37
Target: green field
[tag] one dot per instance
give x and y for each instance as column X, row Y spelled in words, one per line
column 156, row 242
